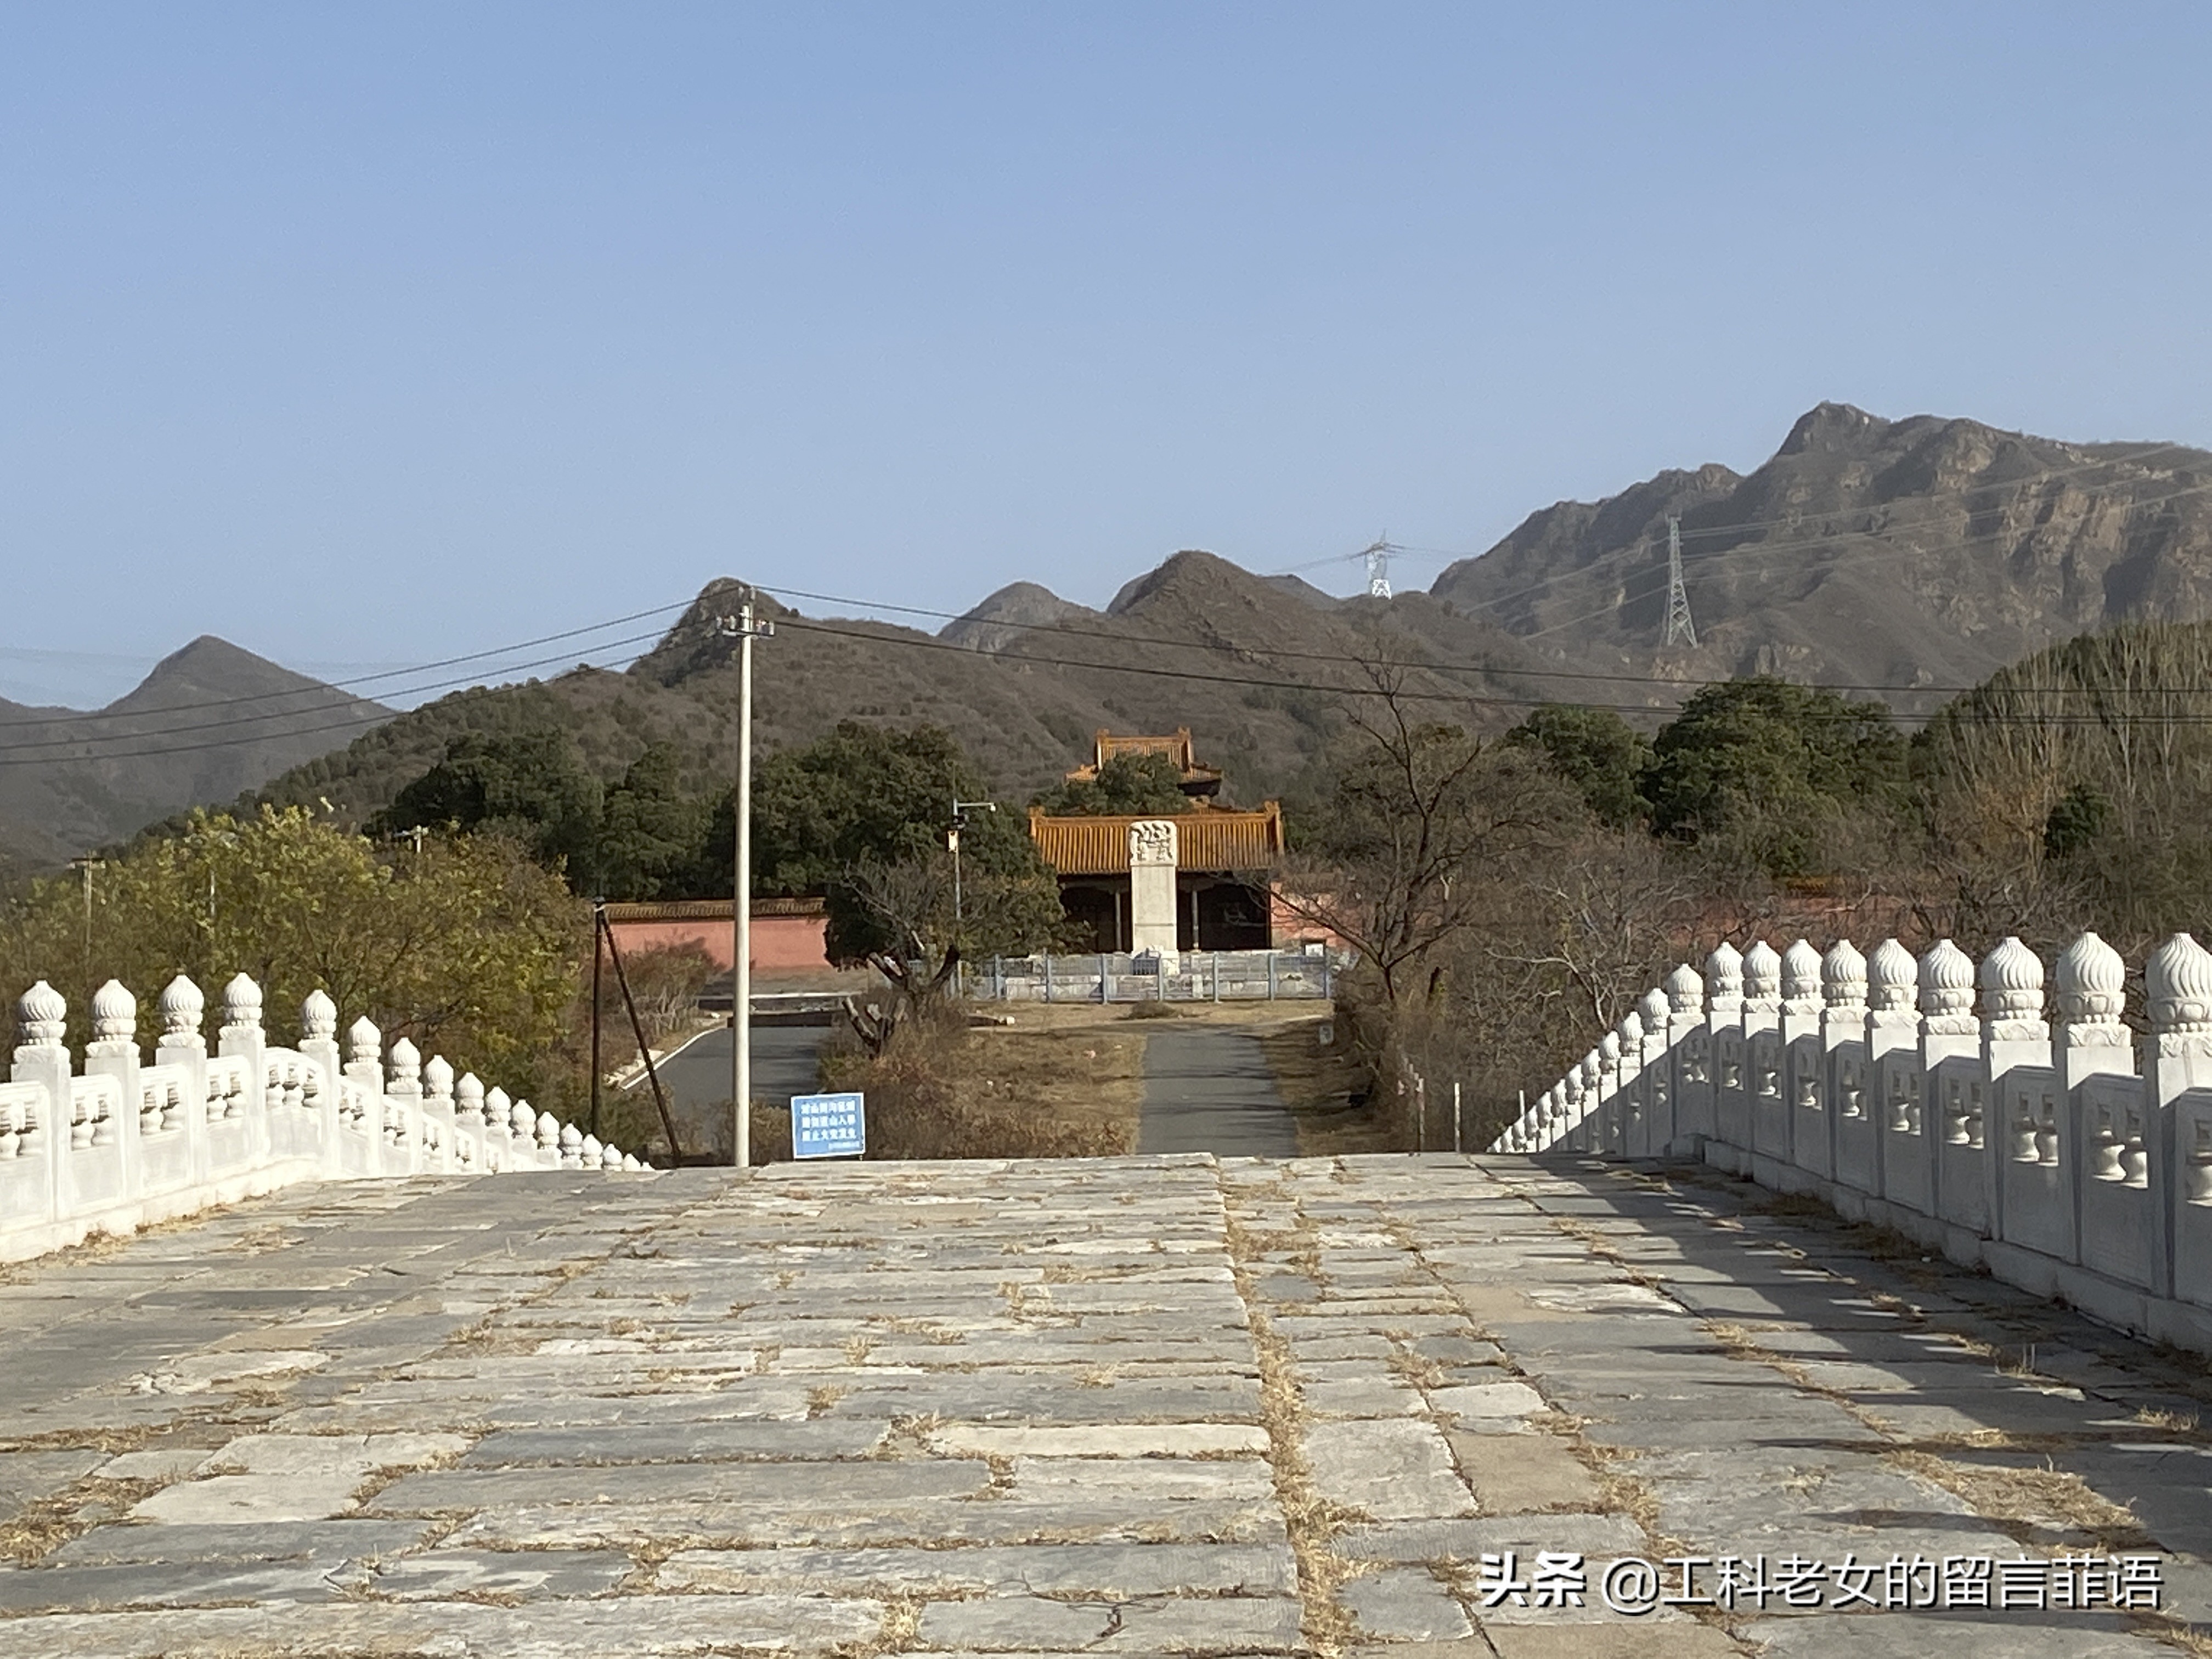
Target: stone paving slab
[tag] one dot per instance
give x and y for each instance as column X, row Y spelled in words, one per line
column 1147, row 1406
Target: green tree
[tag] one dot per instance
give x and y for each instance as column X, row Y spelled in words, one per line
column 465, row 945
column 1126, row 784
column 652, row 831
column 1603, row 757
column 530, row 785
column 860, row 817
column 1775, row 775
column 2077, row 820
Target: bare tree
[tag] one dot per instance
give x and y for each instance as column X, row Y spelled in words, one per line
column 1419, row 812
column 1607, row 915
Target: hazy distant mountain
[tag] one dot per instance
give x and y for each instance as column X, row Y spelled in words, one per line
column 1868, row 552
column 207, row 723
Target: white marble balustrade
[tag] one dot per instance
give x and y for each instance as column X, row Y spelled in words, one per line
column 119, row 1142
column 2075, row 1162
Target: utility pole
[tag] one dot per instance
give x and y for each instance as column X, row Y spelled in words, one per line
column 745, row 628
column 598, row 928
column 85, row 866
column 960, row 811
column 1680, row 630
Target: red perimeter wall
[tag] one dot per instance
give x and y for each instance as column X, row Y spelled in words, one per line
column 788, row 942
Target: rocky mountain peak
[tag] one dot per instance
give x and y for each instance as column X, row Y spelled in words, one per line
column 1827, row 426
column 1014, row 610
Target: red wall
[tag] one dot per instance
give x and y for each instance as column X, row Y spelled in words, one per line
column 790, row 942
column 1290, row 928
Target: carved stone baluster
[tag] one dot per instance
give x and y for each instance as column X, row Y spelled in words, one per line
column 2091, row 981
column 2013, row 1031
column 1762, row 980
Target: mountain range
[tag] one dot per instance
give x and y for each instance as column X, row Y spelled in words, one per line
column 1889, row 555
column 1904, row 558
column 209, row 721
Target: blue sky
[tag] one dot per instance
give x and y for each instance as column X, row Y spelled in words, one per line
column 367, row 336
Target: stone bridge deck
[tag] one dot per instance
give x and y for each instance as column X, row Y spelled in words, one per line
column 1150, row 1405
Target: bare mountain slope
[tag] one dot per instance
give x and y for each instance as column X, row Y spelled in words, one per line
column 1002, row 616
column 210, row 721
column 1866, row 552
column 1024, row 680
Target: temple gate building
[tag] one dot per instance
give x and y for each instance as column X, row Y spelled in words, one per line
column 1191, row 880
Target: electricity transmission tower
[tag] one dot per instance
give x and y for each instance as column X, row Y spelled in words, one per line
column 1680, row 630
column 1378, row 569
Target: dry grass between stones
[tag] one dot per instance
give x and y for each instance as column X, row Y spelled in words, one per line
column 1309, row 1519
column 112, row 1441
column 98, row 1245
column 44, row 1526
column 2042, row 1508
column 388, row 1473
column 900, row 1630
column 2030, row 1503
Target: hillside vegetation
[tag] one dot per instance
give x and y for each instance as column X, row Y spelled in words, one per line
column 1254, row 670
column 1903, row 559
column 2072, row 790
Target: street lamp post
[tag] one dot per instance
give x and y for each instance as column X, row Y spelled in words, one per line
column 745, row 628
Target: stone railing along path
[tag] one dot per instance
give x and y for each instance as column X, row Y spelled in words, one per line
column 121, row 1144
column 2075, row 1164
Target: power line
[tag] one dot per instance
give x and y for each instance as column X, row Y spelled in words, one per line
column 1223, row 648
column 10, row 754
column 74, row 718
column 1863, row 711
column 78, row 716
column 1708, row 532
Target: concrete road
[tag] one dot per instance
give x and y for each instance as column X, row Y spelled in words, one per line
column 1139, row 1406
column 697, row 1079
column 1212, row 1091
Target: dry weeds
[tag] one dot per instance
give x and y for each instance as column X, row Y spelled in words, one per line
column 44, row 1526
column 949, row 1090
column 1311, row 1521
column 1317, row 1084
column 2040, row 1507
